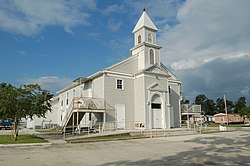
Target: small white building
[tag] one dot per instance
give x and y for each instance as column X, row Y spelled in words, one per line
column 138, row 92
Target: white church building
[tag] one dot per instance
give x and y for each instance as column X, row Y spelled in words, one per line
column 138, row 92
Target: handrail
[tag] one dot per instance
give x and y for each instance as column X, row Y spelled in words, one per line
column 191, row 109
column 112, row 125
column 83, row 103
column 90, row 103
column 68, row 112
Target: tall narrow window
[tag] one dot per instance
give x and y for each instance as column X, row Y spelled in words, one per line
column 67, row 101
column 90, row 116
column 151, row 56
column 149, row 38
column 119, row 84
column 169, row 90
column 62, row 101
column 139, row 39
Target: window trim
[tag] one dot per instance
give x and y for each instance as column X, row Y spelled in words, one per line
column 62, row 101
column 122, row 84
column 153, row 58
column 139, row 39
column 150, row 38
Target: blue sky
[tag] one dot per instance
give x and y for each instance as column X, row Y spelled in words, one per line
column 206, row 43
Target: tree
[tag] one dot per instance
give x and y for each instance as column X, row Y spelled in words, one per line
column 245, row 112
column 207, row 105
column 240, row 104
column 184, row 101
column 23, row 102
column 220, row 105
column 230, row 106
column 200, row 99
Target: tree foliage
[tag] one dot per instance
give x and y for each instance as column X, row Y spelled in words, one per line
column 240, row 104
column 245, row 112
column 220, row 105
column 208, row 106
column 230, row 106
column 23, row 102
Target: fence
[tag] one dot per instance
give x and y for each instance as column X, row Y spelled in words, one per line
column 132, row 127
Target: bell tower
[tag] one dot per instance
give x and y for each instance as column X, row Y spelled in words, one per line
column 145, row 46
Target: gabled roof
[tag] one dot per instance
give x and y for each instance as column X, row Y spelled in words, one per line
column 120, row 63
column 170, row 73
column 156, row 69
column 157, row 87
column 144, row 21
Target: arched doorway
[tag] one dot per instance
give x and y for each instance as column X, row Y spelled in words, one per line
column 156, row 107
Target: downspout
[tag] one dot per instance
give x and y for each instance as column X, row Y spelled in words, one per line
column 105, row 110
column 180, row 94
column 168, row 106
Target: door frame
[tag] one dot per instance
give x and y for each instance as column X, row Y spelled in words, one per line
column 122, row 112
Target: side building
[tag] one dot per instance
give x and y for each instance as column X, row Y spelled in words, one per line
column 138, row 92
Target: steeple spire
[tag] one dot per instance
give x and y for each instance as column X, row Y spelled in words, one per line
column 144, row 21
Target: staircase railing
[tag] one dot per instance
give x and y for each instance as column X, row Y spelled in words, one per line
column 69, row 111
column 83, row 103
column 191, row 109
column 90, row 103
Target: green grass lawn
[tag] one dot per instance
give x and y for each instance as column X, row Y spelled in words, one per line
column 21, row 139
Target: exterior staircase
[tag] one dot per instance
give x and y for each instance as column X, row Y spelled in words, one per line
column 79, row 107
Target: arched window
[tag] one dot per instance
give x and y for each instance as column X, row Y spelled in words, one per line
column 156, row 102
column 149, row 38
column 139, row 39
column 151, row 56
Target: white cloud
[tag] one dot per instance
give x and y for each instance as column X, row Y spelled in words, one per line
column 22, row 53
column 207, row 30
column 28, row 17
column 218, row 77
column 207, row 46
column 51, row 83
column 112, row 9
column 114, row 25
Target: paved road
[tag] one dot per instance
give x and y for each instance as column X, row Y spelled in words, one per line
column 229, row 148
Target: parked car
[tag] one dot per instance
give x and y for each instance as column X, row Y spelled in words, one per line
column 5, row 124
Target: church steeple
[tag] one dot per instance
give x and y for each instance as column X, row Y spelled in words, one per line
column 144, row 21
column 145, row 46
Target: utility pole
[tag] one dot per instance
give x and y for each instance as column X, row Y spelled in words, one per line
column 225, row 102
